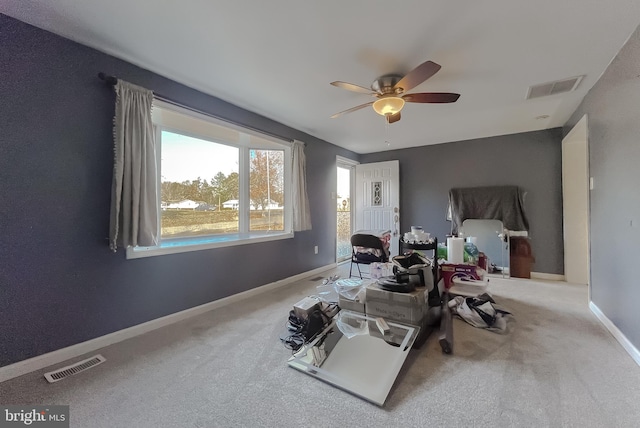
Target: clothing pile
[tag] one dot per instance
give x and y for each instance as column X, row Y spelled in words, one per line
column 481, row 312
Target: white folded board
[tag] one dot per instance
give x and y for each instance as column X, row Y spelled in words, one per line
column 469, row 287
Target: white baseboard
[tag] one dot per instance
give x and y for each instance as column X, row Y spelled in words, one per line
column 619, row 336
column 45, row 360
column 534, row 275
column 547, row 276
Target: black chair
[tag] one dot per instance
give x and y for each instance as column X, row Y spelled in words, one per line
column 366, row 249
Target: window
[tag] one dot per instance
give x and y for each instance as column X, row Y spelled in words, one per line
column 219, row 184
column 266, row 190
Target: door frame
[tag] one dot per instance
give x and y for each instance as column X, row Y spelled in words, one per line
column 579, row 134
column 350, row 164
column 394, row 225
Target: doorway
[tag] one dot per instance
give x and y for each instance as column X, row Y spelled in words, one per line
column 344, row 215
column 575, row 203
column 377, row 200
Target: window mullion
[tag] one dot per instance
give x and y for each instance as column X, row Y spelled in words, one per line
column 288, row 203
column 243, row 184
column 158, row 131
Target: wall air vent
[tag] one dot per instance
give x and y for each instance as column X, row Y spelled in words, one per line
column 78, row 367
column 552, row 88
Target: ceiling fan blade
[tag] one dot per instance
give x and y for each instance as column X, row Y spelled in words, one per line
column 431, row 97
column 418, row 75
column 352, row 87
column 393, row 118
column 352, row 109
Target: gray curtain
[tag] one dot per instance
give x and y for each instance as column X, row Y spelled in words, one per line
column 134, row 196
column 301, row 212
column 504, row 203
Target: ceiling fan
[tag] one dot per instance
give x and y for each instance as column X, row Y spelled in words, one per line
column 391, row 89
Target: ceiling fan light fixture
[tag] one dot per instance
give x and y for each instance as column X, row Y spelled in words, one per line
column 388, row 106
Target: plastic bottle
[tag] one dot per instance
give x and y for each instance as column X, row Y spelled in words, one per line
column 441, row 253
column 471, row 253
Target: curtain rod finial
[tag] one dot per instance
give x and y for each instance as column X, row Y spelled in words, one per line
column 110, row 80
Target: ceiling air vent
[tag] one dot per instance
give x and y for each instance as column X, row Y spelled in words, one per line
column 78, row 367
column 552, row 88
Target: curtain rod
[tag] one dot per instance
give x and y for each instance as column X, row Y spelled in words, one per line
column 112, row 80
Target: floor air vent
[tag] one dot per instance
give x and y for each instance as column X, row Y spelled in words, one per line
column 78, row 367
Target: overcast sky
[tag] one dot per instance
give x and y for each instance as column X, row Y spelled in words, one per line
column 343, row 183
column 186, row 158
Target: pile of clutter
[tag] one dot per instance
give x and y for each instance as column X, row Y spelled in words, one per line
column 481, row 312
column 462, row 267
column 463, row 273
column 310, row 316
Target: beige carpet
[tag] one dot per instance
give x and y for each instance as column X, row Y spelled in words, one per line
column 227, row 368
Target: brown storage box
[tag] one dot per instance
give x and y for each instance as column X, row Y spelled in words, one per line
column 520, row 257
column 408, row 308
column 520, row 267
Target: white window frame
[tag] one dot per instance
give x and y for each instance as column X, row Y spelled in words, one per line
column 349, row 164
column 172, row 118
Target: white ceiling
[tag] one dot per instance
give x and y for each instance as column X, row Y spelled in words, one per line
column 277, row 57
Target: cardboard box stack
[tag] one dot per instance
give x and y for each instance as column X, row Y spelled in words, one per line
column 408, row 308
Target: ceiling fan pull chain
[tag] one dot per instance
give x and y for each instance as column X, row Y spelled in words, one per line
column 386, row 131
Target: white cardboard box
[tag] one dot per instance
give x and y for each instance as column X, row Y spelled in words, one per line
column 356, row 305
column 409, row 308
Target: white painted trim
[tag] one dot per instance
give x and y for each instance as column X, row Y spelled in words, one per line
column 577, row 129
column 617, row 334
column 350, row 164
column 576, row 203
column 55, row 357
column 346, row 162
column 547, row 276
column 218, row 242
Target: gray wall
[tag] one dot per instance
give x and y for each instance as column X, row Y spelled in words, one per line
column 59, row 283
column 612, row 106
column 530, row 160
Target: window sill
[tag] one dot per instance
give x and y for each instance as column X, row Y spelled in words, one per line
column 183, row 245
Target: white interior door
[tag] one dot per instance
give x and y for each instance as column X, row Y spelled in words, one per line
column 377, row 199
column 575, row 203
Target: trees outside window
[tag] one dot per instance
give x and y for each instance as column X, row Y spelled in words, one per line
column 266, row 189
